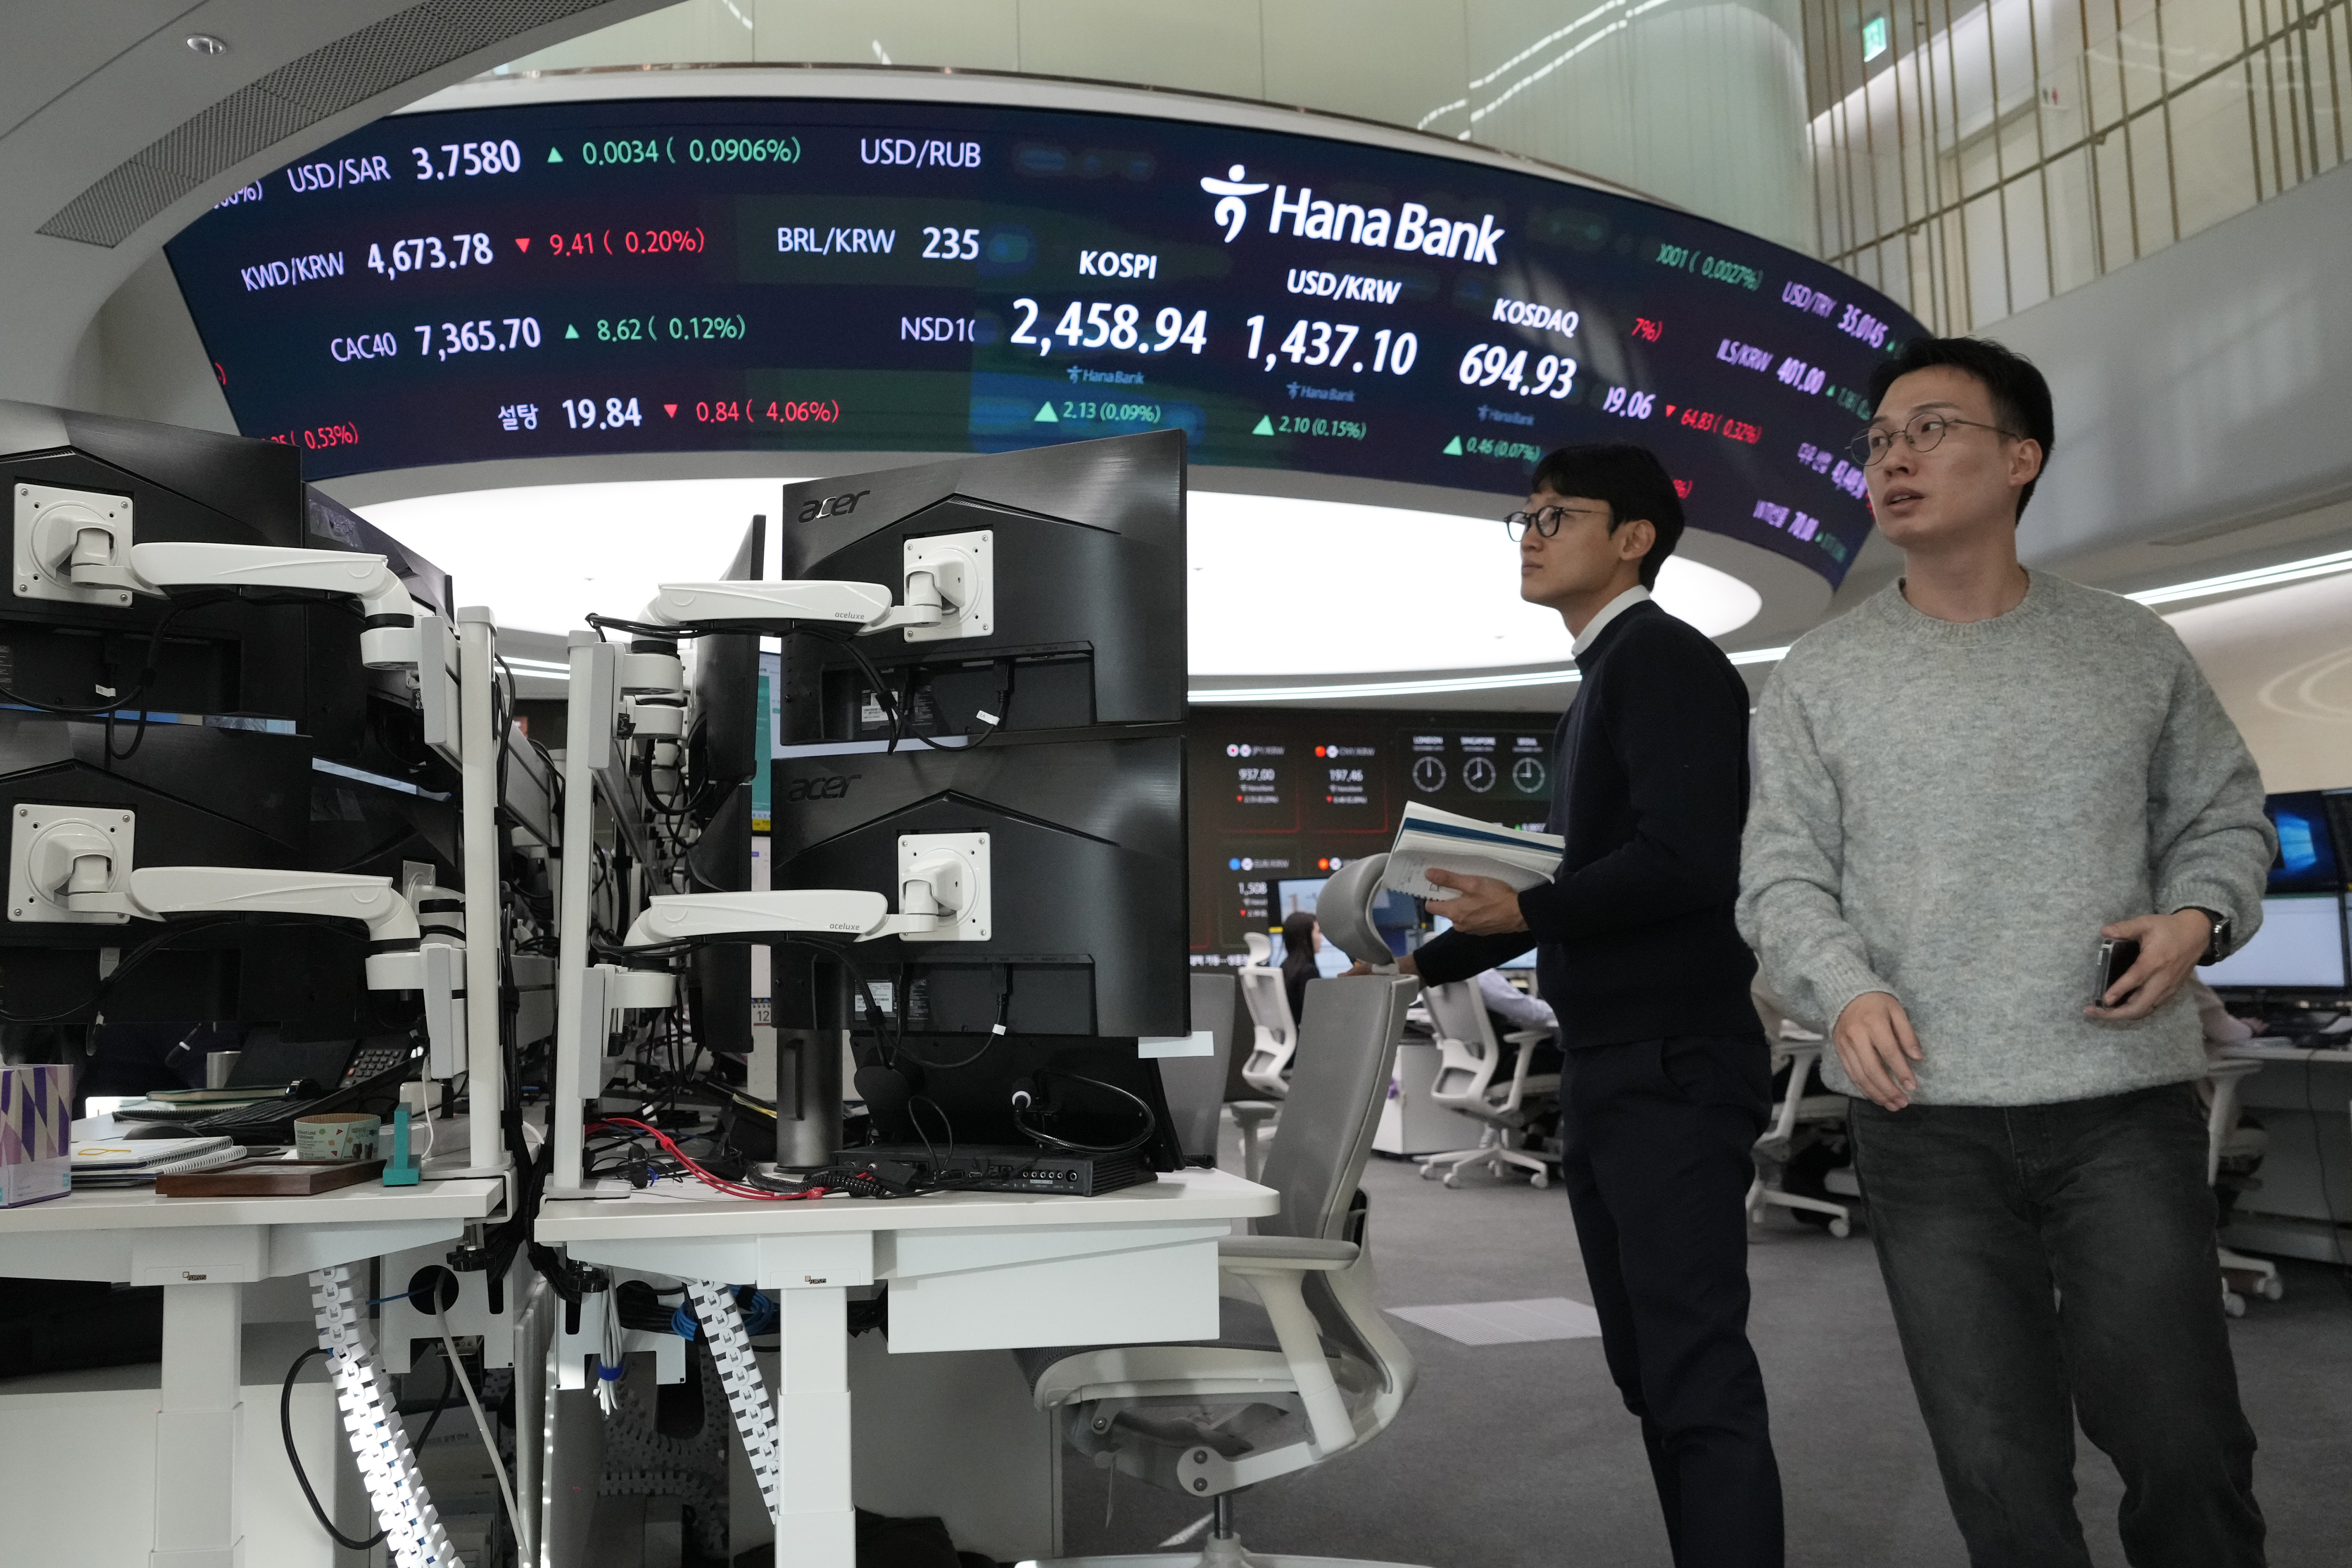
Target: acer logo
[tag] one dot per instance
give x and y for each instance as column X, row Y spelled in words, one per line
column 833, row 788
column 833, row 506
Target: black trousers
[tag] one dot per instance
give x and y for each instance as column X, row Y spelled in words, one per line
column 2050, row 1261
column 1657, row 1162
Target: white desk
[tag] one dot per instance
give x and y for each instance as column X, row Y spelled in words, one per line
column 2304, row 1206
column 203, row 1252
column 965, row 1271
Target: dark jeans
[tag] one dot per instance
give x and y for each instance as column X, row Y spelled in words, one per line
column 1657, row 1163
column 2050, row 1261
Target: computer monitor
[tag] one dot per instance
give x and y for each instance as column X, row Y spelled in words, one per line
column 721, row 757
column 2300, row 947
column 218, row 754
column 1089, row 931
column 1089, row 583
column 2310, row 858
column 1441, row 925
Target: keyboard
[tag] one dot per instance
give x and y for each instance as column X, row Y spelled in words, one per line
column 271, row 1122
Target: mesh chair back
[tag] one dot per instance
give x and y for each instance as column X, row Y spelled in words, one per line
column 1269, row 1003
column 1459, row 1014
column 1337, row 1091
column 1196, row 1086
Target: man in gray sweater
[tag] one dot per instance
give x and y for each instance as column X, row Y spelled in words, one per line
column 1962, row 786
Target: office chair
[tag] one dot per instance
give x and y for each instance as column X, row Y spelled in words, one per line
column 1269, row 1008
column 1311, row 1352
column 1801, row 1048
column 1196, row 1086
column 2221, row 1130
column 1468, row 1059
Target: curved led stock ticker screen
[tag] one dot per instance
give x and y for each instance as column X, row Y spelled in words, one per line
column 821, row 275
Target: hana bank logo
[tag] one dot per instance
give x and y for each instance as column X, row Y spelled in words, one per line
column 1232, row 210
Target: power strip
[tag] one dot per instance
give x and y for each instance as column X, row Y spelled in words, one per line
column 739, row 1375
column 395, row 1487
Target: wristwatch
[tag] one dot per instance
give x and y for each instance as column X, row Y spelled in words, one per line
column 2217, row 946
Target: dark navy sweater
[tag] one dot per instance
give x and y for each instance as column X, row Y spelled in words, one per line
column 1634, row 935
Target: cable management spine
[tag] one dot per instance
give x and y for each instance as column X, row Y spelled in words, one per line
column 395, row 1487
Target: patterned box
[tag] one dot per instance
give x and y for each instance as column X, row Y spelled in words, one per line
column 36, row 1133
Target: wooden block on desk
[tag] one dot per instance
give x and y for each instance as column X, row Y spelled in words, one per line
column 269, row 1179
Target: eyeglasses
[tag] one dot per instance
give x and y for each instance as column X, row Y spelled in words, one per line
column 1544, row 522
column 1925, row 432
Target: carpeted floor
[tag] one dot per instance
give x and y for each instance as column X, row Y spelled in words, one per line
column 1520, row 1454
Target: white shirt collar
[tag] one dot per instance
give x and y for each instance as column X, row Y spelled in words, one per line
column 1609, row 612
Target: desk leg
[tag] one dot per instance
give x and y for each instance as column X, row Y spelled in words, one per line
column 196, row 1429
column 816, row 1524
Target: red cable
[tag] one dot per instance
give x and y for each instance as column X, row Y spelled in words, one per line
column 732, row 1189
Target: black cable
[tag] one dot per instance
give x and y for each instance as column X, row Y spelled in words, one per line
column 135, row 956
column 286, row 1431
column 1004, row 1012
column 1150, row 1120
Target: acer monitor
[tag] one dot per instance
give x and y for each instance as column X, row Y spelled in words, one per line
column 1086, row 547
column 1087, row 840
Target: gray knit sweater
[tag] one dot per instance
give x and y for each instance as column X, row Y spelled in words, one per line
column 1949, row 812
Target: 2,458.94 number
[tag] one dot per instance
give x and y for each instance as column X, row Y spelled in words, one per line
column 1100, row 325
column 1488, row 364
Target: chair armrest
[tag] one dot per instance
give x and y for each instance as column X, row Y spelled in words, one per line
column 1253, row 1109
column 1525, row 1036
column 1283, row 1254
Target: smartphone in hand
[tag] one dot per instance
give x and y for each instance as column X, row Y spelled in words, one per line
column 2117, row 955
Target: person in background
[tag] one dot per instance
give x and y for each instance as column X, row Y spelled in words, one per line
column 1964, row 784
column 1301, row 943
column 1511, row 1009
column 1667, row 1082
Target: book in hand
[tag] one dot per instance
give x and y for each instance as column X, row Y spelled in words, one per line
column 1428, row 837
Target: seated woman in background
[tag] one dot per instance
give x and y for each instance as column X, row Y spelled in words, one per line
column 1301, row 943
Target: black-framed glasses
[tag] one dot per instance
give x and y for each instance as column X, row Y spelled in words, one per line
column 1925, row 432
column 1545, row 521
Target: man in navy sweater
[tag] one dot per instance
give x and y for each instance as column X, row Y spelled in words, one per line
column 1668, row 1079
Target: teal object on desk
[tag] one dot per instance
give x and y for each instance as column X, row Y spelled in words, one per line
column 400, row 1169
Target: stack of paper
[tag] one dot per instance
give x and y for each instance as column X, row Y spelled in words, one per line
column 136, row 1162
column 1428, row 837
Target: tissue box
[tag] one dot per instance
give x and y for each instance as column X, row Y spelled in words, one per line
column 36, row 1133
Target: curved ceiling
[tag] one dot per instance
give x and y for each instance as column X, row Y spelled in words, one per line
column 120, row 121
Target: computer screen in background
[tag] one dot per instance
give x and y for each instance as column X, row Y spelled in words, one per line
column 2309, row 860
column 1525, row 961
column 2299, row 948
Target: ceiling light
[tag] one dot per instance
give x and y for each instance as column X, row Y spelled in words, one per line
column 207, row 44
column 2259, row 577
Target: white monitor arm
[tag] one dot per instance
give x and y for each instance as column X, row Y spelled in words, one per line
column 943, row 896
column 865, row 605
column 153, row 892
column 71, row 865
column 98, row 560
column 947, row 583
